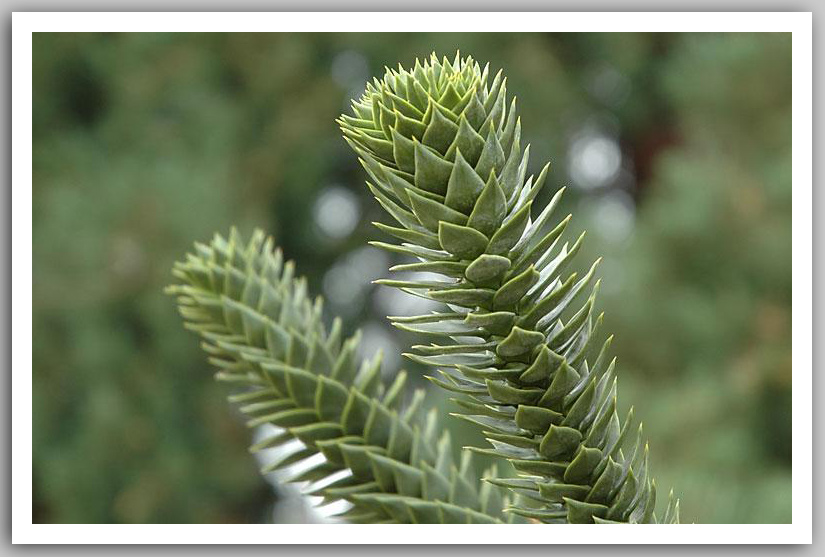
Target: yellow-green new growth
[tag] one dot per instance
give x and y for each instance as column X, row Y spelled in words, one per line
column 444, row 156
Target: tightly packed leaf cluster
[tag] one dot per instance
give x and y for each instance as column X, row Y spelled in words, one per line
column 266, row 335
column 443, row 151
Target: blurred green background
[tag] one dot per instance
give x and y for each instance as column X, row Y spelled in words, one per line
column 677, row 149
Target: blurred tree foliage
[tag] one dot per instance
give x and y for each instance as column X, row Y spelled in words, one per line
column 678, row 150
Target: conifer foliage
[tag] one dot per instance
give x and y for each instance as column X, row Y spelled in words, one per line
column 517, row 338
column 442, row 147
column 265, row 334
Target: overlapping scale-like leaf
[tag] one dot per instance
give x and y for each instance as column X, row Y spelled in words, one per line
column 443, row 152
column 266, row 335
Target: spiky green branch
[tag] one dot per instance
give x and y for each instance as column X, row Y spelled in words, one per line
column 444, row 156
column 267, row 337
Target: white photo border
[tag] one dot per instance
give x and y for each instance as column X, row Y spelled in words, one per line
column 24, row 24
